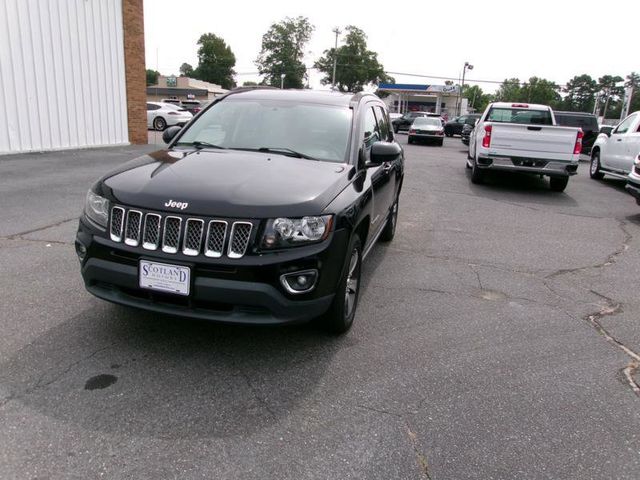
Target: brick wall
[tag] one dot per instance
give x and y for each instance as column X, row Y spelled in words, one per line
column 134, row 66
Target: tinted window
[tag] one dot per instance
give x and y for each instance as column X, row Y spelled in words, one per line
column 626, row 123
column 471, row 119
column 383, row 123
column 370, row 128
column 519, row 115
column 434, row 122
column 585, row 122
column 319, row 131
column 151, row 106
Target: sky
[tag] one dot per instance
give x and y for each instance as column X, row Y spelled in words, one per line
column 501, row 39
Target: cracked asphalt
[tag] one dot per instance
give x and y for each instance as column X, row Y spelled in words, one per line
column 497, row 337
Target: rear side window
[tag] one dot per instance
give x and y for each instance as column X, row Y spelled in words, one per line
column 151, row 106
column 522, row 116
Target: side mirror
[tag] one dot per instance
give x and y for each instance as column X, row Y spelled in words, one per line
column 169, row 133
column 382, row 152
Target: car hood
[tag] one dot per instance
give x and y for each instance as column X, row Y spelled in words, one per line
column 227, row 183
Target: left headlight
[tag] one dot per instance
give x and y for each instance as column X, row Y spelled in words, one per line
column 96, row 208
column 289, row 232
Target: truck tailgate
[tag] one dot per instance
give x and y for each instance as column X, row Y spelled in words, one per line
column 533, row 141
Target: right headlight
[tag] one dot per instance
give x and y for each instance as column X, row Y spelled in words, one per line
column 288, row 232
column 96, row 208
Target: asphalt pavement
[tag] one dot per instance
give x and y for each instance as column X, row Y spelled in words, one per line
column 497, row 337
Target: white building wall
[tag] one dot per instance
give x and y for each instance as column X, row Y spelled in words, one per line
column 62, row 79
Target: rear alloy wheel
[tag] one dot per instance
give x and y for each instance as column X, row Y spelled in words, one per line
column 389, row 230
column 159, row 123
column 594, row 171
column 558, row 184
column 342, row 311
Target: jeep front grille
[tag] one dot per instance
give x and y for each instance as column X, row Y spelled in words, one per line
column 132, row 228
column 240, row 235
column 175, row 234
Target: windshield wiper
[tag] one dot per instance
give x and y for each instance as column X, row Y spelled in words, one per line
column 199, row 145
column 281, row 150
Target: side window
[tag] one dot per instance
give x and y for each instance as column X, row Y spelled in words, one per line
column 626, row 123
column 370, row 128
column 383, row 123
column 462, row 119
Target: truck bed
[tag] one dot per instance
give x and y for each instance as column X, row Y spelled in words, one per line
column 532, row 141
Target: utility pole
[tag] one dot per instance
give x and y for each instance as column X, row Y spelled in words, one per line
column 335, row 57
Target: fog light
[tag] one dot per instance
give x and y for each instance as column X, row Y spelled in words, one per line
column 81, row 251
column 299, row 282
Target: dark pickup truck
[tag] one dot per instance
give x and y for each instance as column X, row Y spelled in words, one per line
column 260, row 211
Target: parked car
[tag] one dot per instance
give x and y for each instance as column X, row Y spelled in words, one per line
column 522, row 137
column 404, row 122
column 394, row 115
column 615, row 155
column 260, row 211
column 586, row 121
column 633, row 180
column 466, row 132
column 162, row 115
column 454, row 127
column 192, row 106
column 426, row 129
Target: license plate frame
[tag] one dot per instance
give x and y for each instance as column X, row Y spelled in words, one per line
column 164, row 277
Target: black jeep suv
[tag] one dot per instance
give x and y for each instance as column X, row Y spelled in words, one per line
column 259, row 211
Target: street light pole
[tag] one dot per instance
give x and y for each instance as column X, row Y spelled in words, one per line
column 468, row 66
column 335, row 57
column 282, row 75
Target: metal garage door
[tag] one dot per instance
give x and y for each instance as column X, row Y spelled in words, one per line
column 62, row 81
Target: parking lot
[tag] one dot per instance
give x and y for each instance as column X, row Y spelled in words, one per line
column 496, row 337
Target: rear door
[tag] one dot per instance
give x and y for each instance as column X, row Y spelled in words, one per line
column 621, row 143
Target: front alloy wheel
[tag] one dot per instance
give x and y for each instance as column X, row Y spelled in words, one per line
column 594, row 171
column 342, row 311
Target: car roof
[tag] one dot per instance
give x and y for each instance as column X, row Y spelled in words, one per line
column 300, row 96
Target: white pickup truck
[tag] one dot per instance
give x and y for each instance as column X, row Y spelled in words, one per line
column 524, row 137
column 614, row 155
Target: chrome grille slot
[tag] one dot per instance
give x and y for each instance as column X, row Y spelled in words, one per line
column 192, row 237
column 132, row 228
column 151, row 231
column 240, row 235
column 117, row 224
column 216, row 233
column 171, row 236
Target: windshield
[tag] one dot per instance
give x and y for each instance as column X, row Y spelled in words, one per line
column 519, row 115
column 315, row 131
column 427, row 121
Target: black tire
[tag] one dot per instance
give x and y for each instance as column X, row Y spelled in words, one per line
column 558, row 184
column 395, row 129
column 440, row 143
column 409, row 140
column 594, row 168
column 477, row 174
column 159, row 123
column 389, row 230
column 339, row 318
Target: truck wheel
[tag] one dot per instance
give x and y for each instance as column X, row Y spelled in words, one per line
column 594, row 171
column 339, row 317
column 558, row 184
column 477, row 175
column 389, row 230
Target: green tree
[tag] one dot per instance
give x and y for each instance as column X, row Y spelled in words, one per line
column 152, row 77
column 186, row 70
column 608, row 90
column 580, row 92
column 509, row 91
column 356, row 65
column 215, row 61
column 633, row 80
column 542, row 91
column 477, row 99
column 283, row 52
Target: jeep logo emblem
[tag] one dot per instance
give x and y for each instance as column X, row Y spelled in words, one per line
column 174, row 204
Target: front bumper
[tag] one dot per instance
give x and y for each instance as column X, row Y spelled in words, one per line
column 634, row 189
column 246, row 291
column 551, row 168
